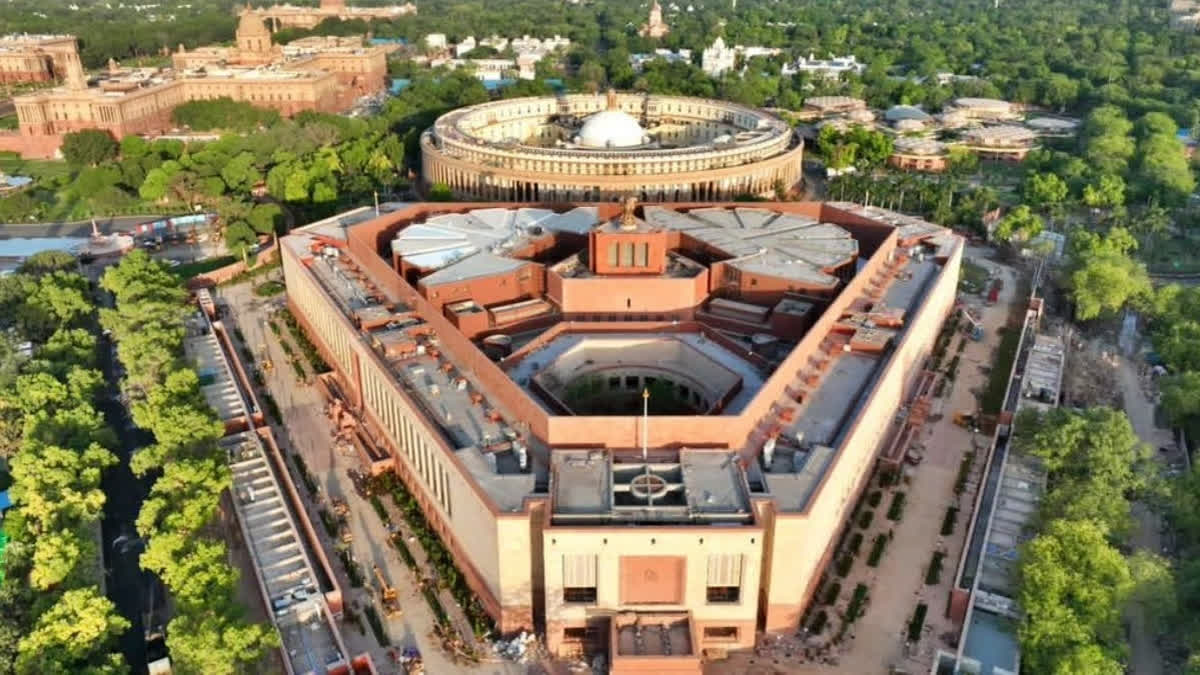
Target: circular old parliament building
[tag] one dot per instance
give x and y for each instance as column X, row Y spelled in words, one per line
column 586, row 147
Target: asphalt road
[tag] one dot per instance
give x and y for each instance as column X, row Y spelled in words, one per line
column 125, row 581
column 79, row 228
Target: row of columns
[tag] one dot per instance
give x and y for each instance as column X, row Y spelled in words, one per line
column 513, row 189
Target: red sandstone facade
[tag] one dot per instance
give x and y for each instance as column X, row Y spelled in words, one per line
column 543, row 556
column 35, row 58
column 140, row 102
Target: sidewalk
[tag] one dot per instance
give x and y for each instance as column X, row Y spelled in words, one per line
column 308, row 432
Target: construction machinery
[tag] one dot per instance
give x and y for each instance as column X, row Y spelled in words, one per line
column 387, row 595
column 974, row 326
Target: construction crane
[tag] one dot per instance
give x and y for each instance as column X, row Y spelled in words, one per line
column 387, row 595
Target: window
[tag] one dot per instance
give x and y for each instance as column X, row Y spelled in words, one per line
column 579, row 594
column 724, row 569
column 721, row 633
column 627, row 255
column 575, row 634
column 723, row 593
column 612, row 254
column 579, row 578
column 643, row 255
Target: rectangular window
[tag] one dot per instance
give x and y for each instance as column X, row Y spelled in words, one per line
column 724, row 571
column 627, row 255
column 612, row 254
column 643, row 255
column 721, row 633
column 579, row 594
column 575, row 634
column 723, row 593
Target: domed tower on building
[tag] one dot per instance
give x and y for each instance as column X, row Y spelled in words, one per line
column 611, row 128
column 655, row 27
column 252, row 34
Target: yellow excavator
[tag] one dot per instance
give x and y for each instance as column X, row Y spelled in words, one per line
column 387, row 595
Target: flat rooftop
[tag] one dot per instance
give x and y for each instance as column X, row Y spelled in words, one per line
column 281, row 561
column 219, row 386
column 594, row 487
column 1042, row 382
column 614, row 485
column 661, row 636
column 992, row 645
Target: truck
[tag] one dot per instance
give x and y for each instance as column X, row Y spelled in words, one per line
column 994, row 291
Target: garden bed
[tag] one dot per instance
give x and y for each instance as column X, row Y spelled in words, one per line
column 917, row 622
column 877, row 550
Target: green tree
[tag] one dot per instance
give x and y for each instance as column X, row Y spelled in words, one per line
column 46, row 262
column 1107, row 140
column 154, row 187
column 1102, row 275
column 1106, row 191
column 241, row 173
column 88, row 147
column 217, row 642
column 1072, row 585
column 134, row 147
column 56, row 487
column 1094, row 460
column 1019, row 224
column 182, row 423
column 1153, row 589
column 1181, row 399
column 74, row 636
column 265, row 218
column 1163, row 172
column 1044, row 189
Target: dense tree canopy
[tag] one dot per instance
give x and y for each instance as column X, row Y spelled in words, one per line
column 88, row 147
column 1102, row 276
column 1072, row 588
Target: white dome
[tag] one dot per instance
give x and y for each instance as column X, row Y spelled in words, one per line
column 611, row 129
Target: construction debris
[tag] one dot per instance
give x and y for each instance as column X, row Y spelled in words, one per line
column 524, row 648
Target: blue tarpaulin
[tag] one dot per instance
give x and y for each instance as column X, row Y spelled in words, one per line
column 493, row 85
column 5, row 501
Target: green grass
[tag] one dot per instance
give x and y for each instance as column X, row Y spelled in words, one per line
column 896, row 510
column 993, row 396
column 949, row 520
column 269, row 288
column 918, row 621
column 376, row 626
column 8, row 122
column 934, row 573
column 974, row 277
column 12, row 164
column 188, row 270
column 877, row 550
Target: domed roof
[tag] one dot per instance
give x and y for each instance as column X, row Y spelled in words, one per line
column 611, row 129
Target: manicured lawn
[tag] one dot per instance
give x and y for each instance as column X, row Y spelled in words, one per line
column 12, row 164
